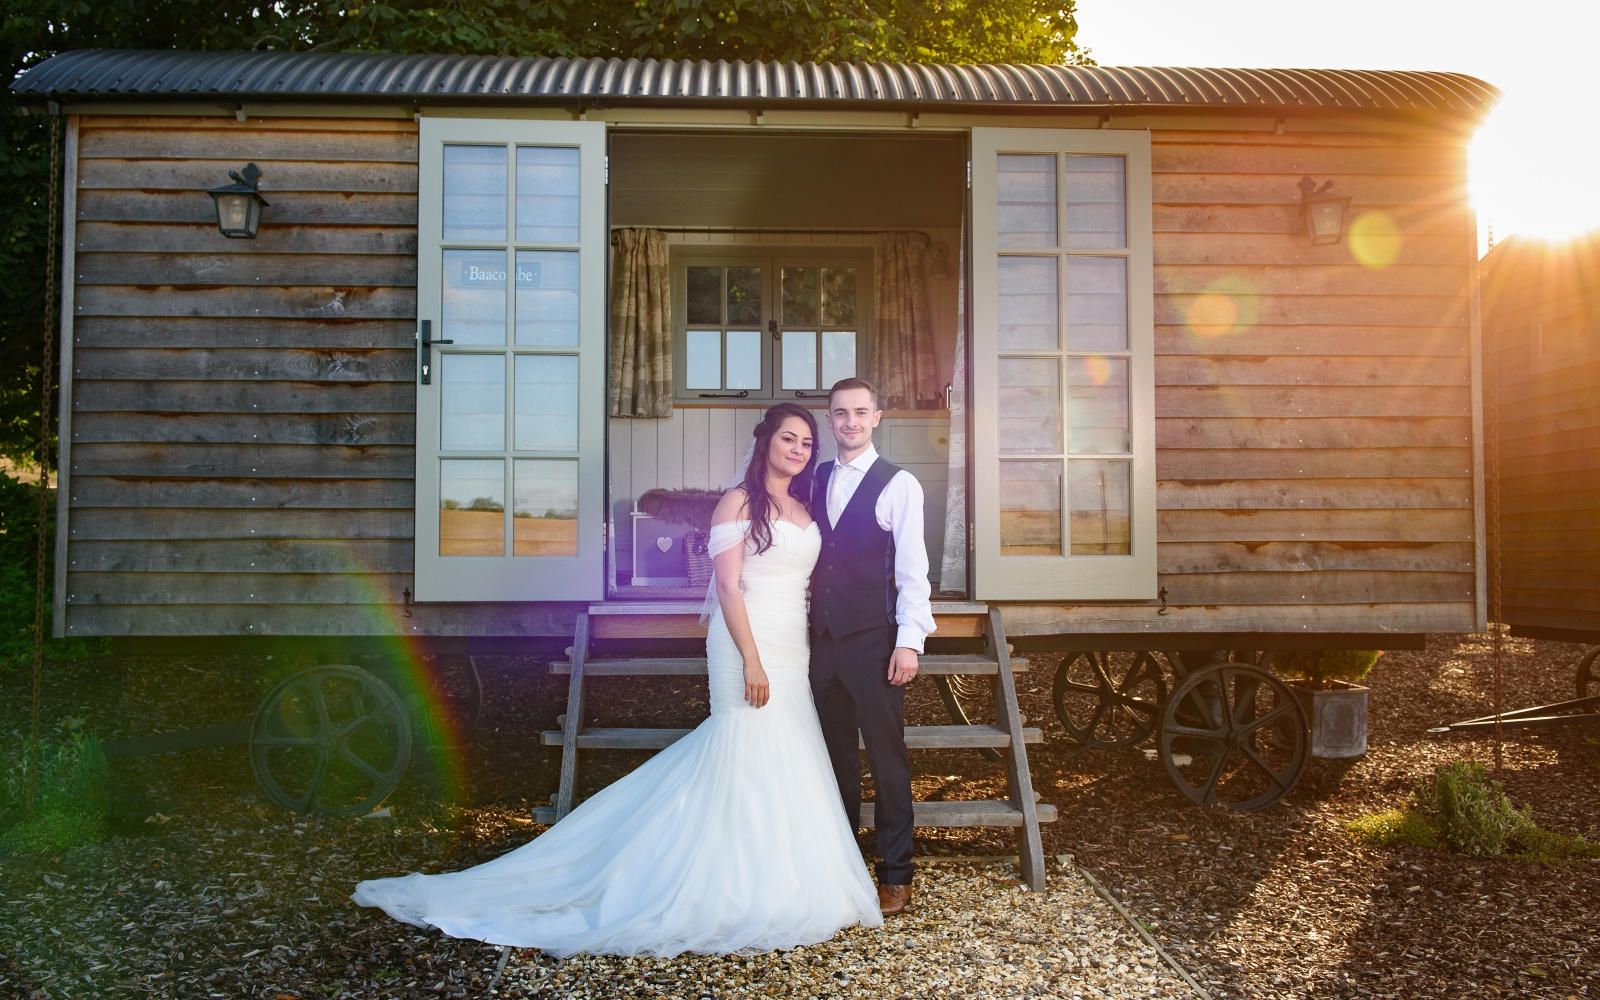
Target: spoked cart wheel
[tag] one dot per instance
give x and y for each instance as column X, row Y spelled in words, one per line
column 1233, row 734
column 1109, row 700
column 1588, row 680
column 967, row 697
column 442, row 691
column 333, row 739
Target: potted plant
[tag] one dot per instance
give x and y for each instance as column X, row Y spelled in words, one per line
column 1324, row 682
column 691, row 508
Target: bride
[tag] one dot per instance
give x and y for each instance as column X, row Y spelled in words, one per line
column 731, row 839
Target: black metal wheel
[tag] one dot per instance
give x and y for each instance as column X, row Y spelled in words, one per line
column 333, row 739
column 1110, row 700
column 967, row 697
column 1233, row 734
column 1589, row 674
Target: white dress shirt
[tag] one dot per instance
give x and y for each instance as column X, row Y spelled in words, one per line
column 899, row 512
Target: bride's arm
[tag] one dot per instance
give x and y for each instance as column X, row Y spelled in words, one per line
column 727, row 565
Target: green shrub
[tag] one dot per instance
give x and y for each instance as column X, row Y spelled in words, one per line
column 1461, row 809
column 73, row 795
column 1396, row 828
column 1322, row 666
column 1472, row 810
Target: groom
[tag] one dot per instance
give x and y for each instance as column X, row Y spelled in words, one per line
column 869, row 617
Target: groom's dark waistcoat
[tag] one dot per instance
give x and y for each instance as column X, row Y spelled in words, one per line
column 852, row 587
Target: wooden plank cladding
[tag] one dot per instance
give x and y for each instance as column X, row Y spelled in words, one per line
column 243, row 415
column 1314, row 442
column 242, row 447
column 1542, row 341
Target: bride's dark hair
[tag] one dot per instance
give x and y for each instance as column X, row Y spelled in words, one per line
column 758, row 501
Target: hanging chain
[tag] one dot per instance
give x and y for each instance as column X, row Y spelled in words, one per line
column 1491, row 475
column 52, row 238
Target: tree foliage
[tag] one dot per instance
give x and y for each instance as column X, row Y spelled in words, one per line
column 856, row 30
column 959, row 31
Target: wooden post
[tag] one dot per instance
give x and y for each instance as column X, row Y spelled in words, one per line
column 1030, row 849
column 574, row 719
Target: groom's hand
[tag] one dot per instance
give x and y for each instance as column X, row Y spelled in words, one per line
column 902, row 665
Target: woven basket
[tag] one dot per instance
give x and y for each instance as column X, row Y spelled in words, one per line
column 695, row 548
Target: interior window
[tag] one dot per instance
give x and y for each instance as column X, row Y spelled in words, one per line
column 754, row 325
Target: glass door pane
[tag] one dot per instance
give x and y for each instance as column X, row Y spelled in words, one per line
column 547, row 298
column 472, row 503
column 474, row 193
column 1063, row 365
column 545, row 519
column 510, row 436
column 548, row 186
column 474, row 297
column 472, row 402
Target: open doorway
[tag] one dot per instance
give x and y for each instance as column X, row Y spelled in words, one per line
column 781, row 250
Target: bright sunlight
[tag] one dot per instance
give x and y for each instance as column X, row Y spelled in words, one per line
column 1531, row 169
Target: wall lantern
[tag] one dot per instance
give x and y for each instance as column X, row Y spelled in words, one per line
column 1324, row 213
column 239, row 204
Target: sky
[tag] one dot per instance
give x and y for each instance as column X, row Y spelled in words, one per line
column 1534, row 162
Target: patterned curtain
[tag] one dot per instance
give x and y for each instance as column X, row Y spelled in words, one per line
column 903, row 351
column 953, row 564
column 641, row 325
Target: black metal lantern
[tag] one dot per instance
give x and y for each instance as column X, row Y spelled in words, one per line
column 1324, row 213
column 239, row 204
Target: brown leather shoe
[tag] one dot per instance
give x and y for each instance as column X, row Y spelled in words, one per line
column 892, row 899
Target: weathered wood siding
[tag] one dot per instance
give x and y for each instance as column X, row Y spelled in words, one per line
column 1314, row 450
column 1542, row 336
column 242, row 413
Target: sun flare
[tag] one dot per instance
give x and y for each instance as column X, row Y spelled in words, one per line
column 1531, row 171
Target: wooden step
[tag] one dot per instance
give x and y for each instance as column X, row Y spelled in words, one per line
column 973, row 664
column 982, row 813
column 618, row 739
column 917, row 738
column 639, row 666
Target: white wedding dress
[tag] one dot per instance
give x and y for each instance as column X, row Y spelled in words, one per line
column 731, row 840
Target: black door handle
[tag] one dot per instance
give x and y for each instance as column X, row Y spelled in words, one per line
column 425, row 342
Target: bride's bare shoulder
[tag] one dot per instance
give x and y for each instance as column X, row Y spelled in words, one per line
column 733, row 506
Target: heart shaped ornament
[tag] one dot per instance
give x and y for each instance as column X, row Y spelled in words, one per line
column 664, row 543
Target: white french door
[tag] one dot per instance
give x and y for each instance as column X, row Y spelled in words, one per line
column 511, row 252
column 1063, row 405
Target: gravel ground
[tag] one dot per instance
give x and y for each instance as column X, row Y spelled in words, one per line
column 975, row 931
column 207, row 891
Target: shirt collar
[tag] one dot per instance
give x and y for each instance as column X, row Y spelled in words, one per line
column 862, row 462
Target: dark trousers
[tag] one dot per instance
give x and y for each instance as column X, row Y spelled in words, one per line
column 850, row 683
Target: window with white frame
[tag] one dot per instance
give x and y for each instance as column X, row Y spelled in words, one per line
column 749, row 323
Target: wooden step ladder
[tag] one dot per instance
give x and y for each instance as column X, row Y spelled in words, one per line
column 680, row 620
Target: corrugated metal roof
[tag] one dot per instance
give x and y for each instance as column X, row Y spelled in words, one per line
column 100, row 74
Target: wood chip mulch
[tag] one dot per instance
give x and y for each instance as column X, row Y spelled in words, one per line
column 205, row 890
